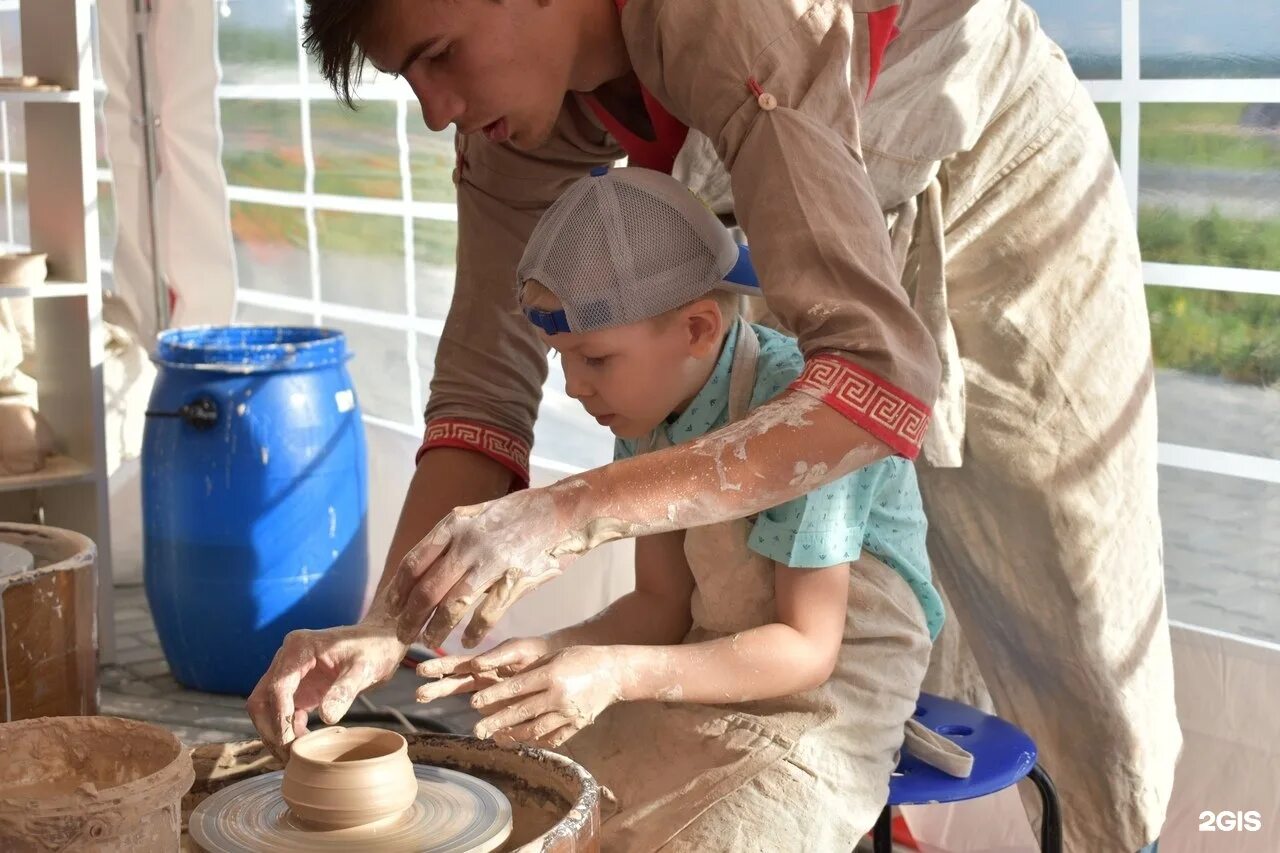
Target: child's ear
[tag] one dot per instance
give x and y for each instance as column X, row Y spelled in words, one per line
column 704, row 325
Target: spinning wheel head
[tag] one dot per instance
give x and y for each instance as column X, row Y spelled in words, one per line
column 451, row 813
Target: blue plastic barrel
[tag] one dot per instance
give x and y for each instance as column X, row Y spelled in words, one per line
column 254, row 497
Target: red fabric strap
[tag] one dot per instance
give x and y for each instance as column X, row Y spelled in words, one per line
column 498, row 444
column 882, row 28
column 659, row 153
column 669, row 132
column 887, row 412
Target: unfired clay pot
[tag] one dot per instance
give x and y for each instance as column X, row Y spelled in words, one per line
column 339, row 777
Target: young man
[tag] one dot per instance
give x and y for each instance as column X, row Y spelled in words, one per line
column 935, row 214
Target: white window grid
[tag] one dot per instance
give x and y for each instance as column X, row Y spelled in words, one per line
column 408, row 324
column 1131, row 92
column 9, row 168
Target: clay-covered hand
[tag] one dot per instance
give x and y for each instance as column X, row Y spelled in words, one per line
column 552, row 700
column 322, row 670
column 491, row 554
column 468, row 673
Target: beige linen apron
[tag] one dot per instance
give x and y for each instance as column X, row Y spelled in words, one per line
column 807, row 772
column 1039, row 468
column 1050, row 526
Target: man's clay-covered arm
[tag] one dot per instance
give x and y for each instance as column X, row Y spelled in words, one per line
column 779, row 95
column 445, row 477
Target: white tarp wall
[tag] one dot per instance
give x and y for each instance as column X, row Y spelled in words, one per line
column 194, row 238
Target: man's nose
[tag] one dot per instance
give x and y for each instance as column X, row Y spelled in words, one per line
column 440, row 107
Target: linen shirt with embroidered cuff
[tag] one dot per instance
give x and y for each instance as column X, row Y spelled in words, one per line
column 800, row 188
column 800, row 185
column 490, row 364
column 877, row 508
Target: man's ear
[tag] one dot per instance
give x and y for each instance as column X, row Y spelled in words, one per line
column 704, row 327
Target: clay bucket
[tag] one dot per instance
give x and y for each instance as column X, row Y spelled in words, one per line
column 48, row 613
column 339, row 777
column 90, row 784
column 555, row 802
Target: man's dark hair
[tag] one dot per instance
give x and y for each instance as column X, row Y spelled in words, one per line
column 330, row 30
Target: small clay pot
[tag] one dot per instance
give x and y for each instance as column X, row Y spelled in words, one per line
column 338, row 777
column 24, row 268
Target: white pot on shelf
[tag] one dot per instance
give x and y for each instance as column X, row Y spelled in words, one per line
column 23, row 268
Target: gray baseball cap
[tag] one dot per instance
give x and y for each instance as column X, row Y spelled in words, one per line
column 625, row 245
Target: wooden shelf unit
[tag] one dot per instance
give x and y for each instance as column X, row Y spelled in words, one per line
column 58, row 471
column 47, row 290
column 65, row 96
column 62, row 193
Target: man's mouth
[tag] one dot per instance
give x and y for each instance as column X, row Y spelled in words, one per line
column 497, row 131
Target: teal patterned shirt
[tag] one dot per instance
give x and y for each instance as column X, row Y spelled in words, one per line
column 877, row 508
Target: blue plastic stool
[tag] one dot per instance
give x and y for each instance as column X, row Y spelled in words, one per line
column 1002, row 754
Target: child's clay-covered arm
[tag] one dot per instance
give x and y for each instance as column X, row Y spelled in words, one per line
column 564, row 692
column 656, row 613
column 797, row 652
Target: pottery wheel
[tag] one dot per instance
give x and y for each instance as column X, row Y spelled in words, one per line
column 454, row 813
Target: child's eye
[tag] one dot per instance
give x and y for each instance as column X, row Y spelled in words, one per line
column 595, row 362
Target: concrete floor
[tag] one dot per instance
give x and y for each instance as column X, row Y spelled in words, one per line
column 1221, row 538
column 140, row 687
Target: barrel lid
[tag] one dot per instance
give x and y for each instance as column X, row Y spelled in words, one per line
column 248, row 349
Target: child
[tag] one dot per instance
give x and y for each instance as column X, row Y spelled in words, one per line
column 751, row 693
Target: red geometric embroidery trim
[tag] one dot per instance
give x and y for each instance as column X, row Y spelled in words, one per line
column 889, row 413
column 499, row 445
